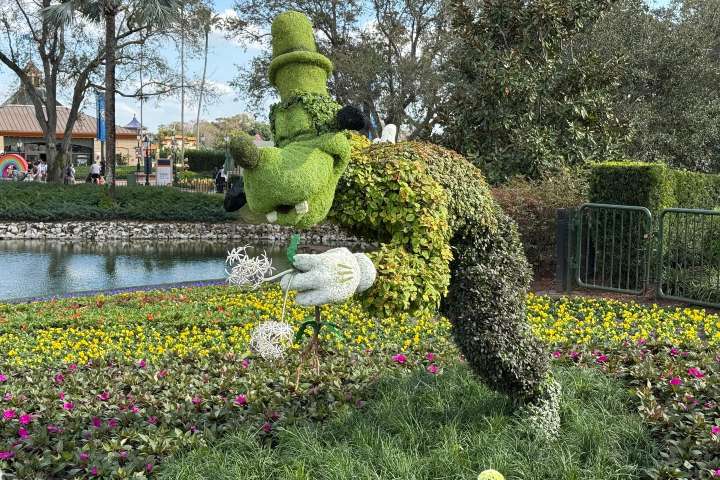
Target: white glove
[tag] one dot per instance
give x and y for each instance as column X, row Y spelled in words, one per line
column 329, row 277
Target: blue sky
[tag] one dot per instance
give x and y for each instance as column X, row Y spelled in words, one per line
column 224, row 57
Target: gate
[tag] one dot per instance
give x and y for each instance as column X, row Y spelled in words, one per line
column 613, row 247
column 621, row 248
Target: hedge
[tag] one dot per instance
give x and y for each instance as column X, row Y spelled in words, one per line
column 652, row 185
column 205, row 160
column 50, row 202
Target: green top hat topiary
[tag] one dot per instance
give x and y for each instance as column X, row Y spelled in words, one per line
column 296, row 65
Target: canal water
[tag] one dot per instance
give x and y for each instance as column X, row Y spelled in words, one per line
column 44, row 268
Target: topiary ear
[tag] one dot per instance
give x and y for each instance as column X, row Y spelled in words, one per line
column 351, row 118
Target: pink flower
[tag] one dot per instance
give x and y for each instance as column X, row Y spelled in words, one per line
column 134, row 409
column 602, row 358
column 104, row 396
column 61, row 395
column 641, row 341
column 674, row 352
column 695, row 372
column 162, row 374
column 96, row 422
column 142, row 363
column 68, row 406
column 94, row 471
column 575, row 356
column 245, row 363
column 430, row 357
column 241, row 400
column 267, row 428
column 149, row 468
column 6, row 455
column 59, row 378
column 9, row 414
column 196, row 400
column 675, row 381
column 3, row 378
column 112, row 423
column 557, row 354
column 73, row 367
column 53, row 429
column 22, row 433
column 84, row 457
column 432, row 369
column 715, row 430
column 152, row 420
column 399, row 358
column 8, row 396
column 716, row 472
column 25, row 419
column 123, row 454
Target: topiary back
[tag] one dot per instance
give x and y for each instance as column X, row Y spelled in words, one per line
column 418, row 200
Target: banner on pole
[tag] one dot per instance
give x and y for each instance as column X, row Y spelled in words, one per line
column 100, row 109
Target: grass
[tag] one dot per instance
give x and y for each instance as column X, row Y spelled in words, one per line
column 443, row 427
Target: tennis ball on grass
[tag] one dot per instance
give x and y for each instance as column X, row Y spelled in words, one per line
column 490, row 475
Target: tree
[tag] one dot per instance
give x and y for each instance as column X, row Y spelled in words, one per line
column 207, row 20
column 517, row 99
column 388, row 65
column 135, row 16
column 670, row 73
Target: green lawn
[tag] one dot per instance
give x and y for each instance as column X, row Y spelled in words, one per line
column 442, row 427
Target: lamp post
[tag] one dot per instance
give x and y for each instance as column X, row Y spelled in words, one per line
column 139, row 153
column 146, row 152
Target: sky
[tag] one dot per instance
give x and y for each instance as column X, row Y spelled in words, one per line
column 225, row 56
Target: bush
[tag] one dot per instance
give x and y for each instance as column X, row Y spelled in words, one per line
column 646, row 185
column 419, row 199
column 533, row 205
column 696, row 190
column 204, row 160
column 51, row 202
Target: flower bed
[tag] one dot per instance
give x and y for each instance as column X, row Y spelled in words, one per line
column 668, row 356
column 109, row 386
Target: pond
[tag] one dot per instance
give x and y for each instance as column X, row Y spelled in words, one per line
column 44, row 268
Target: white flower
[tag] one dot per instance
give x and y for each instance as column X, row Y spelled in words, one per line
column 246, row 270
column 271, row 339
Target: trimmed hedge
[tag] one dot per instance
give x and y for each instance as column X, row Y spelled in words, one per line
column 50, row 202
column 204, row 160
column 653, row 185
column 632, row 183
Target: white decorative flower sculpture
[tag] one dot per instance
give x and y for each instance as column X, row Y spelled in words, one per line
column 388, row 135
column 270, row 339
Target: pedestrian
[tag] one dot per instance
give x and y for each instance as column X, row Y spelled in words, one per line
column 42, row 170
column 95, row 170
column 70, row 174
column 220, row 180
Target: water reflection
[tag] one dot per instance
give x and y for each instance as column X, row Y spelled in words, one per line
column 31, row 268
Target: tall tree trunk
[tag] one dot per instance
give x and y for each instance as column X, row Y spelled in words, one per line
column 182, row 86
column 202, row 85
column 110, row 46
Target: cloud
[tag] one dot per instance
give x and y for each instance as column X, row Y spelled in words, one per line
column 221, row 88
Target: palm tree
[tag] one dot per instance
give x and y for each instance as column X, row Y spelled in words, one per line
column 140, row 13
column 207, row 20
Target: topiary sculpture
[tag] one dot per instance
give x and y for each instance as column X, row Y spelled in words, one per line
column 423, row 204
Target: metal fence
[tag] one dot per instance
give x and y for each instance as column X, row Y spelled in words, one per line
column 624, row 249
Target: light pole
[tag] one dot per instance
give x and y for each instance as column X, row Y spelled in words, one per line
column 146, row 152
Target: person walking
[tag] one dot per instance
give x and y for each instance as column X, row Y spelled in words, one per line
column 95, row 172
column 42, row 170
column 70, row 174
column 220, row 180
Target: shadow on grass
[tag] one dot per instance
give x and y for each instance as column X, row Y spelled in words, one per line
column 443, row 427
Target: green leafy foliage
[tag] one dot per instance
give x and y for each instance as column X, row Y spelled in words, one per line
column 50, row 202
column 243, row 150
column 533, row 205
column 204, row 160
column 418, row 200
column 520, row 102
column 321, row 110
column 646, row 185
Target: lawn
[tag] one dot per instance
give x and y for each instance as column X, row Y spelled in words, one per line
column 115, row 386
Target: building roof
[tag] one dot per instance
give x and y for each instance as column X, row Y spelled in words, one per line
column 134, row 124
column 20, row 121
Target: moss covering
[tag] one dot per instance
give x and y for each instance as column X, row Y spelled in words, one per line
column 310, row 155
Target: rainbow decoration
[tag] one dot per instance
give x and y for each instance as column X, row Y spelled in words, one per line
column 12, row 159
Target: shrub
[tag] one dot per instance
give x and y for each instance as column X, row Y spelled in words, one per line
column 51, row 202
column 415, row 198
column 204, row 160
column 646, row 185
column 696, row 190
column 533, row 205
